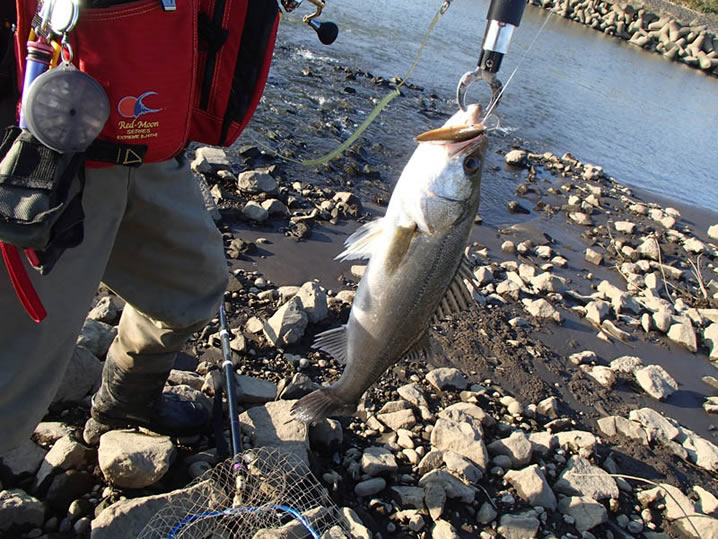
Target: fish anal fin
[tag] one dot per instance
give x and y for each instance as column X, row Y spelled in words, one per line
column 399, row 247
column 333, row 342
column 420, row 350
column 359, row 244
column 459, row 295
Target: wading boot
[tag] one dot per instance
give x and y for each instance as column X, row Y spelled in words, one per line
column 136, row 399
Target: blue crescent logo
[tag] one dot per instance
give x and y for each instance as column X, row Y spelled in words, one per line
column 133, row 107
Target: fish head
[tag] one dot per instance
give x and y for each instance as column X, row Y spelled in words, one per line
column 448, row 165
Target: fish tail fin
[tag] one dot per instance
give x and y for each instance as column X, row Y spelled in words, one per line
column 319, row 405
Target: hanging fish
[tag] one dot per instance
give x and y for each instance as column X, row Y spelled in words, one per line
column 416, row 272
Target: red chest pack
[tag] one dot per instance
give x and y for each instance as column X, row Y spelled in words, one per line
column 196, row 73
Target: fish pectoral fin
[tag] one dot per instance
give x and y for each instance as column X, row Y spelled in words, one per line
column 420, row 350
column 399, row 247
column 359, row 244
column 459, row 295
column 333, row 342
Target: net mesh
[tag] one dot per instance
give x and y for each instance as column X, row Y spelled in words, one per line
column 260, row 494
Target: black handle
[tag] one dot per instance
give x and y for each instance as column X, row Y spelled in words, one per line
column 327, row 31
column 508, row 11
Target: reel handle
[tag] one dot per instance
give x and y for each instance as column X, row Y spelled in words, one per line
column 326, row 31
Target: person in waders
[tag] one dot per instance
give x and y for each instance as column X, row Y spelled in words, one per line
column 171, row 74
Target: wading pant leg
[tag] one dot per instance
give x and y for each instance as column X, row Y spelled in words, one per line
column 33, row 357
column 168, row 263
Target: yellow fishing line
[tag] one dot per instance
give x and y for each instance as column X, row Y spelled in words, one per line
column 381, row 105
column 377, row 109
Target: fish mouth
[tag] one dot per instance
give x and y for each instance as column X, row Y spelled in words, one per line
column 457, row 129
column 452, row 134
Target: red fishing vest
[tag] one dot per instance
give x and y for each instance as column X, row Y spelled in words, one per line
column 193, row 74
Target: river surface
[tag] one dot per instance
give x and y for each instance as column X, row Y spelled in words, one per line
column 649, row 122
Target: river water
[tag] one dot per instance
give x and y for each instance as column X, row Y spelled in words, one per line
column 649, row 122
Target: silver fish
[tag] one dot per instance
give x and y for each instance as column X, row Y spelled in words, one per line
column 416, row 271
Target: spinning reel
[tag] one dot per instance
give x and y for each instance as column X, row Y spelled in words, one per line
column 327, row 31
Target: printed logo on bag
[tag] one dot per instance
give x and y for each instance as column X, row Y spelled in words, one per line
column 133, row 108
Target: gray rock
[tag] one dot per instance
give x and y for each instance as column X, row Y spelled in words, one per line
column 603, row 375
column 576, row 440
column 486, row 513
column 413, row 394
column 464, row 412
column 127, row 518
column 186, row 378
column 255, row 212
column 17, row 508
column 655, row 381
column 516, row 158
column 517, row 447
column 626, row 364
column 548, row 407
column 96, row 336
column 48, row 432
column 581, row 478
column 624, row 227
column 462, row 438
column 106, row 310
column 133, row 460
column 649, row 249
column 519, row 526
column 24, row 459
column 663, row 320
column 580, row 218
column 447, row 378
column 443, row 530
column 434, row 499
column 597, row 311
column 612, row 425
column 542, row 309
column 658, row 427
column 81, row 378
column 713, row 232
column 287, row 325
column 710, row 337
column 275, row 208
column 582, row 358
column 378, row 461
column 409, row 496
column 594, row 257
column 314, row 301
column 65, row 454
column 531, row 485
column 356, row 528
column 256, row 181
column 461, row 467
column 455, row 488
column 370, row 486
column 586, row 512
column 255, row 390
column 273, row 425
column 208, row 160
column 484, row 275
column 399, row 419
column 685, row 335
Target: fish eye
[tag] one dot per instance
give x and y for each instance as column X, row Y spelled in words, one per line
column 472, row 164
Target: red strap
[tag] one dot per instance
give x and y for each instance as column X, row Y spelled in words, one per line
column 21, row 282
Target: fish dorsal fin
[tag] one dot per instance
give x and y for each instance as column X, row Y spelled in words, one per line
column 459, row 295
column 359, row 244
column 333, row 342
column 420, row 350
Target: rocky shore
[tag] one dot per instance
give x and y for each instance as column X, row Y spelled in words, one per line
column 691, row 42
column 579, row 400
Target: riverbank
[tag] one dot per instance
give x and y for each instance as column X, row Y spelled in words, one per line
column 677, row 33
